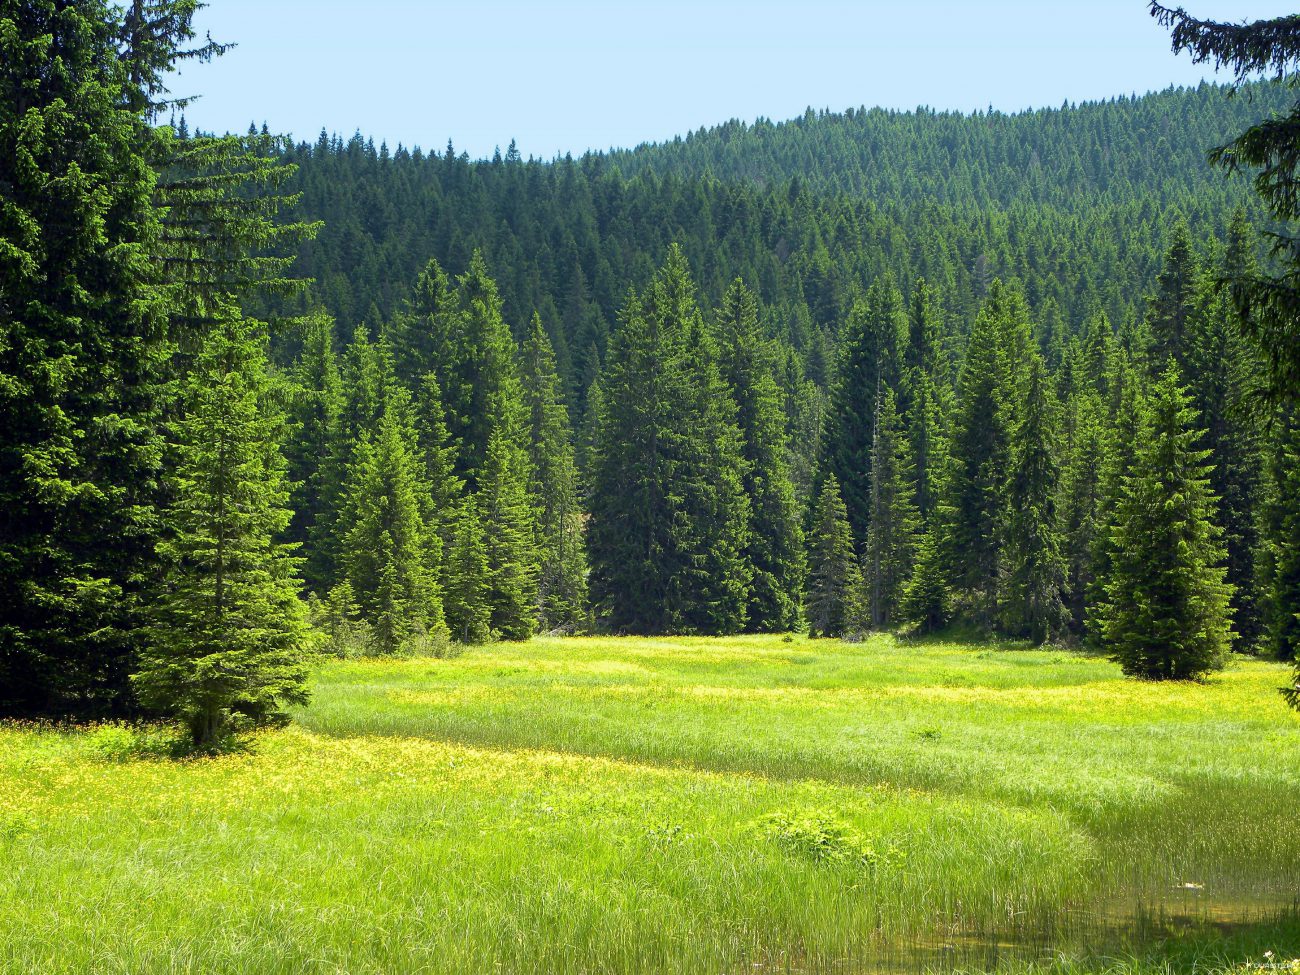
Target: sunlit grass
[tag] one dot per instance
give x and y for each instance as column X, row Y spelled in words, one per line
column 607, row 805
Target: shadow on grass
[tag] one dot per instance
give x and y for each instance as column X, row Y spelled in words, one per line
column 120, row 741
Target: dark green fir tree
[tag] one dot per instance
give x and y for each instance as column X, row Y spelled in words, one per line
column 83, row 354
column 981, row 454
column 1081, row 502
column 1280, row 562
column 1118, row 453
column 228, row 638
column 1168, row 615
column 438, row 454
column 835, row 602
column 482, row 394
column 776, row 547
column 390, row 556
column 870, row 352
column 892, row 529
column 469, row 615
column 1172, row 309
column 927, row 598
column 1036, row 585
column 505, row 513
column 669, row 515
column 313, row 451
column 553, row 489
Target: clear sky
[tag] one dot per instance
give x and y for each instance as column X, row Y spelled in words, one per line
column 569, row 75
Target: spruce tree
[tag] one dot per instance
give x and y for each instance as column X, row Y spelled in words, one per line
column 1168, row 612
column 553, row 489
column 482, row 393
column 389, row 555
column 469, row 616
column 423, row 332
column 1280, row 564
column 924, row 331
column 1081, row 503
column 669, row 514
column 775, row 551
column 1120, row 441
column 1036, row 584
column 1171, row 310
column 82, row 360
column 803, row 406
column 315, row 470
column 930, row 447
column 892, row 529
column 438, row 454
column 1225, row 373
column 1267, row 303
column 981, row 456
column 926, row 597
column 870, row 350
column 227, row 634
column 835, row 603
column 714, row 588
column 506, row 516
column 367, row 381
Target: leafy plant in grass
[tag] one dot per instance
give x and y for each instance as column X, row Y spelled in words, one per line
column 824, row 838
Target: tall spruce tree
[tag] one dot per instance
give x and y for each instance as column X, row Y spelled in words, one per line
column 227, row 634
column 1098, row 353
column 775, row 550
column 1168, row 615
column 926, row 597
column 509, row 529
column 423, row 332
column 1225, row 373
column 315, row 414
column 389, row 555
column 924, row 331
column 981, row 445
column 438, row 453
column 365, row 382
column 1120, row 441
column 668, row 511
column 1267, row 301
column 870, row 350
column 1280, row 561
column 714, row 588
column 1171, row 310
column 82, row 360
column 482, row 394
column 930, row 448
column 1081, row 503
column 1036, row 583
column 553, row 488
column 891, row 533
column 835, row 602
column 469, row 614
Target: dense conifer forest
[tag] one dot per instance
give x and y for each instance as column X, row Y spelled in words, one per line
column 850, row 372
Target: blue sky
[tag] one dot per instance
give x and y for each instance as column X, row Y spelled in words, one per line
column 576, row 74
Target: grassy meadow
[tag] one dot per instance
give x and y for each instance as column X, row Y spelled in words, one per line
column 757, row 804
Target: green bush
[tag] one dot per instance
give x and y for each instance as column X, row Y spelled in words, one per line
column 823, row 838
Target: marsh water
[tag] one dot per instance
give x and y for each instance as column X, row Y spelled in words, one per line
column 1117, row 930
column 1130, row 925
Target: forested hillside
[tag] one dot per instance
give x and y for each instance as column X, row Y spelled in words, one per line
column 1076, row 204
column 1149, row 147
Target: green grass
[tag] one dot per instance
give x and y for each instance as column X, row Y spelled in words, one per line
column 676, row 805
